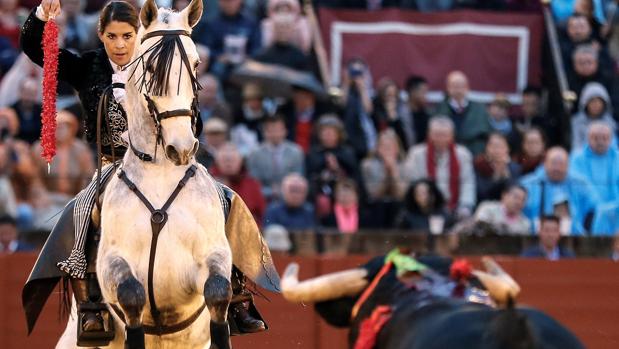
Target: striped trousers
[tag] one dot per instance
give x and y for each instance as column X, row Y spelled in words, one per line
column 76, row 264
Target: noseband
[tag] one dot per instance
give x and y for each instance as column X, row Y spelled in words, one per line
column 168, row 37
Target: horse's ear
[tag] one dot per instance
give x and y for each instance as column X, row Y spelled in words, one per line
column 193, row 12
column 148, row 14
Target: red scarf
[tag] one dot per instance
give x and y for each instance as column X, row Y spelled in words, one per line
column 454, row 173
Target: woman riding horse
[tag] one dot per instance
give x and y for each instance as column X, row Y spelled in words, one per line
column 92, row 74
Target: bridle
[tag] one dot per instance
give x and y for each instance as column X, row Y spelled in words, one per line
column 170, row 39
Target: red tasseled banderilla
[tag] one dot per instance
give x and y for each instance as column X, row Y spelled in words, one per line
column 50, row 82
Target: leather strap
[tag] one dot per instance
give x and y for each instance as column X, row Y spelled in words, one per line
column 158, row 220
column 163, row 33
column 165, row 329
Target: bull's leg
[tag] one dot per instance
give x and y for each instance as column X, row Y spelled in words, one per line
column 130, row 295
column 217, row 294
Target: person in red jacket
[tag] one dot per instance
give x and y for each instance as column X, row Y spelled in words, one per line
column 229, row 169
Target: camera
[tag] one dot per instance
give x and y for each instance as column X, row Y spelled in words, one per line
column 355, row 71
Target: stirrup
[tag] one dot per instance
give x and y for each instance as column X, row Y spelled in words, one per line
column 94, row 338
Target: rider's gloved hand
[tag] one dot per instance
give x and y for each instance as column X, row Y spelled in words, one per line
column 48, row 9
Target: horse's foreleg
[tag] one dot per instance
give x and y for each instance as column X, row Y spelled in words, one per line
column 130, row 295
column 217, row 294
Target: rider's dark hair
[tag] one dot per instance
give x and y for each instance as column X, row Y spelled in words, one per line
column 120, row 11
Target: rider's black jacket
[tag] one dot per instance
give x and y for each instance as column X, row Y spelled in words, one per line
column 89, row 74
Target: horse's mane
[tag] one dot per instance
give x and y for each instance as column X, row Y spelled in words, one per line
column 159, row 62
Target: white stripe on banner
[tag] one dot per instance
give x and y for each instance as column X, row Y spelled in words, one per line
column 338, row 29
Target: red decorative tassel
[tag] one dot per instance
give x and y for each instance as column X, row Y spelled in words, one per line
column 461, row 270
column 50, row 82
column 370, row 327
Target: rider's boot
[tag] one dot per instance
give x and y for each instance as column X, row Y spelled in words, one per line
column 91, row 321
column 240, row 305
column 95, row 326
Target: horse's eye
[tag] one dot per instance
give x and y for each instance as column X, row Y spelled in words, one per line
column 195, row 65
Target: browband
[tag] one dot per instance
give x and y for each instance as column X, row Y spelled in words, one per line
column 164, row 33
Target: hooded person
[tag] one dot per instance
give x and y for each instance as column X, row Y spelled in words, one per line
column 598, row 161
column 594, row 106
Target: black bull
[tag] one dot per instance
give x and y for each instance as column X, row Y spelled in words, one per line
column 423, row 321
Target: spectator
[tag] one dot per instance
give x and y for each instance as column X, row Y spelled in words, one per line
column 498, row 117
column 447, row 163
column 247, row 130
column 204, row 54
column 301, row 113
column 357, row 87
column 586, row 68
column 11, row 19
column 382, row 172
column 72, row 167
column 494, row 168
column 79, row 29
column 578, row 31
column 216, row 134
column 8, row 204
column 383, row 175
column 424, row 209
column 594, row 106
column 416, row 112
column 23, row 69
column 329, row 161
column 389, row 114
column 231, row 37
column 292, row 211
column 598, row 162
column 548, row 246
column 533, row 115
column 8, row 56
column 470, row 118
column 563, row 9
column 606, row 221
column 285, row 19
column 286, row 36
column 230, row 170
column 28, row 111
column 532, row 152
column 275, row 158
column 37, row 208
column 553, row 180
column 506, row 216
column 345, row 215
column 211, row 101
column 9, row 242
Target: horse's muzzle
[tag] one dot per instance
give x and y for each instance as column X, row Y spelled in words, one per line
column 180, row 158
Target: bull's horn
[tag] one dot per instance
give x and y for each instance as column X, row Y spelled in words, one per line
column 322, row 288
column 495, row 269
column 499, row 289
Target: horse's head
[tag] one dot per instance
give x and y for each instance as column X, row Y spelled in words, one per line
column 165, row 75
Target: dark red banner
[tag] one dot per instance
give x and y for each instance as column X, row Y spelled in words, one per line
column 499, row 52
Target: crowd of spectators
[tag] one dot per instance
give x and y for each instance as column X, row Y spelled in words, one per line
column 378, row 155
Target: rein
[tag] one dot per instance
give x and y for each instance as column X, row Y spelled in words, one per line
column 158, row 219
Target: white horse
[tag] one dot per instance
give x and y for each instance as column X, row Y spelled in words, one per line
column 192, row 266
